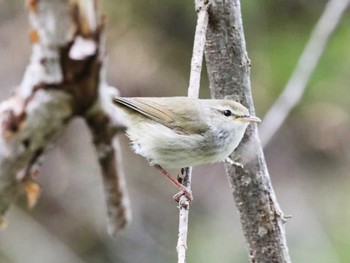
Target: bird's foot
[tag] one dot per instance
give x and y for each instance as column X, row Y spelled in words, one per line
column 184, row 192
column 183, row 189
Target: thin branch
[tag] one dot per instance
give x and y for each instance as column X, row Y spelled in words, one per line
column 307, row 63
column 198, row 49
column 229, row 75
column 193, row 92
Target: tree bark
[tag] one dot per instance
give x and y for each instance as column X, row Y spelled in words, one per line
column 229, row 74
column 63, row 80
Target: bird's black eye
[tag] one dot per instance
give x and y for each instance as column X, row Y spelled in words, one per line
column 227, row 113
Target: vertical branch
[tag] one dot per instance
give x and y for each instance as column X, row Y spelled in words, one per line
column 198, row 50
column 104, row 131
column 104, row 125
column 229, row 75
column 193, row 92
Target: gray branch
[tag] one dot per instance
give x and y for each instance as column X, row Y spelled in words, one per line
column 229, row 75
column 193, row 92
column 63, row 80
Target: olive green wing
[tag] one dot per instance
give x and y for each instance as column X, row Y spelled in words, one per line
column 172, row 112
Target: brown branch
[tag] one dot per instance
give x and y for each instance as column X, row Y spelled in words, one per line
column 62, row 81
column 229, row 71
column 104, row 132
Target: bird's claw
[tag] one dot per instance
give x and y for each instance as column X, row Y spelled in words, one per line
column 184, row 192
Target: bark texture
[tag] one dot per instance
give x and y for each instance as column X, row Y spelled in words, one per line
column 229, row 74
column 63, row 80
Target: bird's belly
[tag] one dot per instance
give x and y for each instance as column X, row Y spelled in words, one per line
column 161, row 145
column 170, row 151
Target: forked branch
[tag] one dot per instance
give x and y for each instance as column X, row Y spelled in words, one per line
column 63, row 80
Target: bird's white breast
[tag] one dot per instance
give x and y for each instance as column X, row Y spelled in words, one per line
column 163, row 146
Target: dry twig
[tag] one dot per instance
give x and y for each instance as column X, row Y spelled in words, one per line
column 193, row 92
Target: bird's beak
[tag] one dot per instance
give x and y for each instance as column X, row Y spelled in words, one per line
column 249, row 119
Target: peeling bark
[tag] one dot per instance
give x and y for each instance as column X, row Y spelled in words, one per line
column 63, row 80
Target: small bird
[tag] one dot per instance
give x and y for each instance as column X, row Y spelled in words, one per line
column 177, row 132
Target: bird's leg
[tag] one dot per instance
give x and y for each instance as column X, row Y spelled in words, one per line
column 180, row 177
column 184, row 189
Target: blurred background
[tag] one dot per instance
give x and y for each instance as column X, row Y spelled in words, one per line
column 149, row 45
